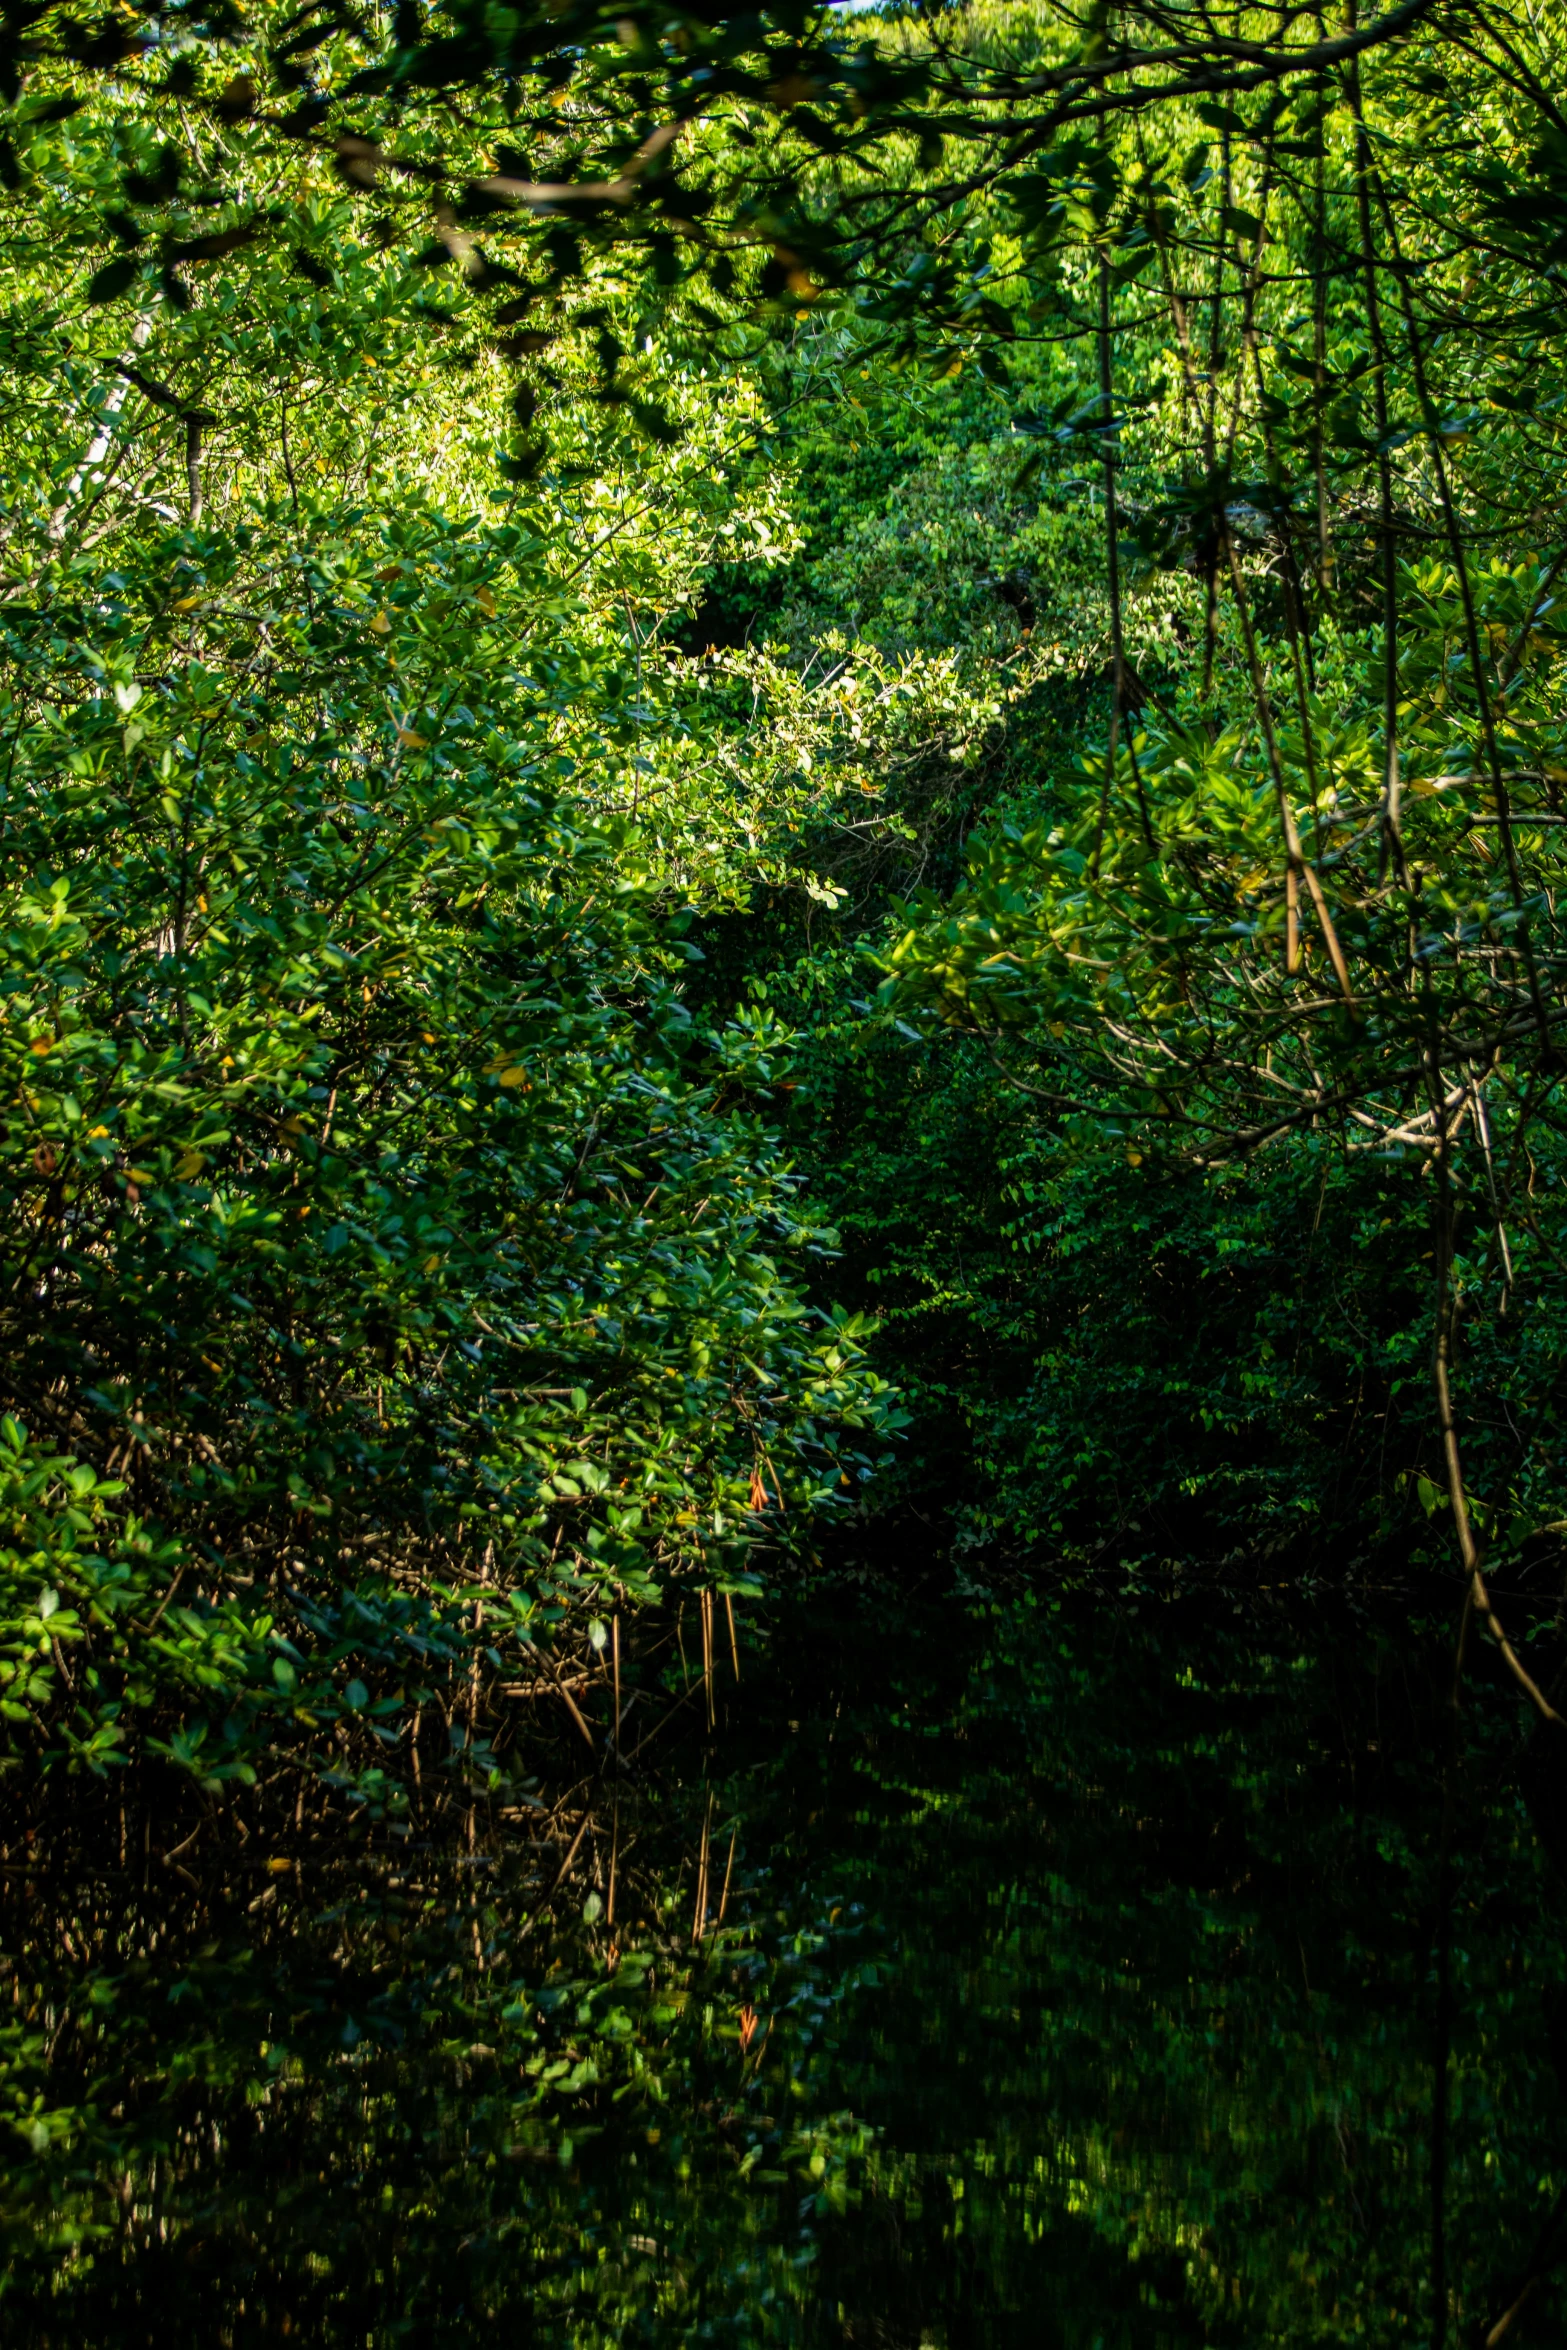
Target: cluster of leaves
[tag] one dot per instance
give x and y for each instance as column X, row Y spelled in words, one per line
column 388, row 1178
column 375, row 1208
column 1297, row 903
column 1140, row 1371
column 736, row 160
column 400, row 1275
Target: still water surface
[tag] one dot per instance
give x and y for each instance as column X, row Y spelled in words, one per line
column 1067, row 1979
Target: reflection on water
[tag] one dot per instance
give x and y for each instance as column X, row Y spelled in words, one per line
column 1067, row 1979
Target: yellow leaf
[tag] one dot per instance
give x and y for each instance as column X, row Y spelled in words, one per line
column 485, row 600
column 407, row 740
column 191, row 1165
column 380, row 625
column 432, row 1264
column 186, row 603
column 512, row 1077
column 43, row 1044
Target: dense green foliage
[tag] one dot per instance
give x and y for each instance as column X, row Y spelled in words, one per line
column 466, row 748
column 396, row 1215
column 380, row 1206
column 767, row 780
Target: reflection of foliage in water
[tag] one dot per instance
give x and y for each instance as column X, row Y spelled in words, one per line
column 362, row 2091
column 1154, row 2060
column 1089, row 1968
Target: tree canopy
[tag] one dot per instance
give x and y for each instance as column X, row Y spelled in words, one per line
column 607, row 618
column 775, row 787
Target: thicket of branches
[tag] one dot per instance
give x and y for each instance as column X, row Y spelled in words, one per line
column 1272, row 303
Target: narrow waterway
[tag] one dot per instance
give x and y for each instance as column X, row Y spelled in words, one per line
column 1066, row 1976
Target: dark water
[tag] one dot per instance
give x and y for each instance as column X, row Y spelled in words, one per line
column 1075, row 1985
